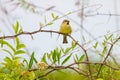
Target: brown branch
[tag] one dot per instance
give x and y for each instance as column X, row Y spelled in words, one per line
column 78, row 71
column 54, row 68
column 28, row 33
column 101, row 36
column 108, row 54
column 93, row 63
column 49, row 31
column 85, row 55
column 45, row 74
column 69, row 66
column 38, row 31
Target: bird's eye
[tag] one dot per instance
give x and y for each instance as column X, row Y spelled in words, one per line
column 67, row 23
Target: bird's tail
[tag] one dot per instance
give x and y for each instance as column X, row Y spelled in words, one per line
column 65, row 39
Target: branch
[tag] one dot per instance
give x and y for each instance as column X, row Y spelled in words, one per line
column 45, row 74
column 108, row 54
column 93, row 63
column 103, row 14
column 54, row 68
column 85, row 55
column 50, row 31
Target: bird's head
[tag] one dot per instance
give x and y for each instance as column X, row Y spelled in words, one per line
column 66, row 22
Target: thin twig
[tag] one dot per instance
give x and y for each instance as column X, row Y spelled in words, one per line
column 108, row 54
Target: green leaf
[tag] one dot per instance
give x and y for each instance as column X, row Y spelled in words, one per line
column 7, row 44
column 21, row 30
column 41, row 24
column 66, row 59
column 69, row 13
column 19, row 52
column 53, row 15
column 58, row 57
column 21, row 46
column 104, row 50
column 67, row 50
column 31, row 60
column 56, row 17
column 35, row 60
column 105, row 37
column 110, row 36
column 82, row 57
column 45, row 19
column 17, row 27
column 17, row 58
column 54, row 55
column 44, row 58
column 104, row 43
column 26, row 62
column 76, row 58
column 17, row 42
column 32, row 75
column 13, row 27
column 83, row 37
column 8, row 60
column 96, row 44
column 50, row 23
column 8, row 52
column 2, row 42
column 62, row 49
column 73, row 43
column 48, row 55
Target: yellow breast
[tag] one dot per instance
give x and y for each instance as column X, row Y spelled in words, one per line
column 66, row 29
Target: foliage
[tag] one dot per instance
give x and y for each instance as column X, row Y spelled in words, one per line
column 55, row 64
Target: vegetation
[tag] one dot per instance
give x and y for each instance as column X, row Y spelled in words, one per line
column 56, row 64
column 62, row 63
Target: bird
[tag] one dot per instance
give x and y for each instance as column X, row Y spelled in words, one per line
column 66, row 29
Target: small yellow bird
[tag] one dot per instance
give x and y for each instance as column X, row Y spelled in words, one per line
column 66, row 29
